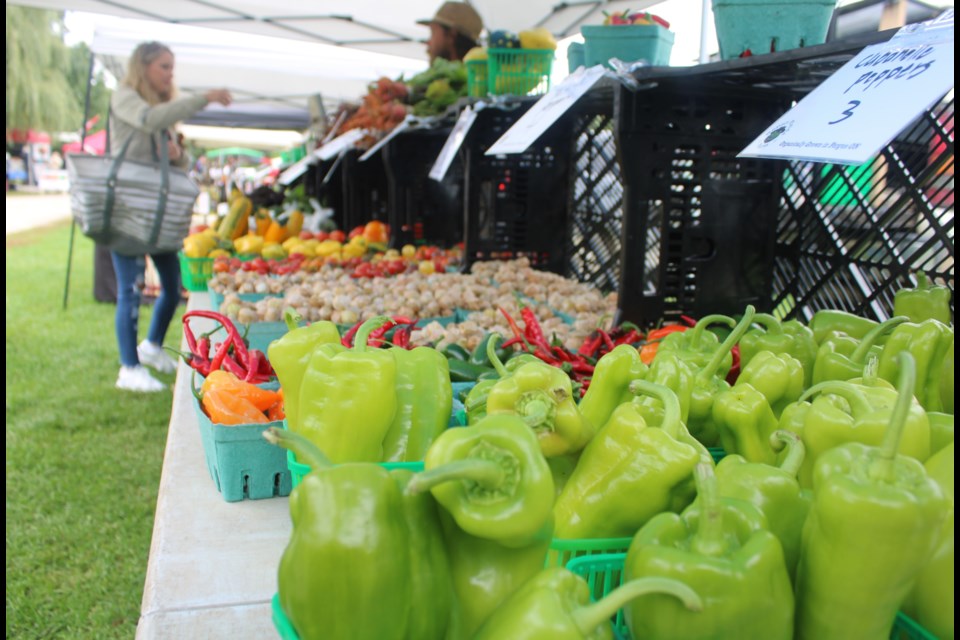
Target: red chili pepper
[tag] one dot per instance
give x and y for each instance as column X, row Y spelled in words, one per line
column 591, row 344
column 403, row 320
column 347, row 339
column 687, row 320
column 735, row 369
column 401, row 337
column 582, row 367
column 511, row 342
column 203, row 347
column 231, row 365
column 562, row 354
column 629, row 337
column 252, row 365
column 376, row 336
column 607, row 340
column 532, row 329
column 515, row 328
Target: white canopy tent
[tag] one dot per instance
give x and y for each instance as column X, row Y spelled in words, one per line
column 380, row 26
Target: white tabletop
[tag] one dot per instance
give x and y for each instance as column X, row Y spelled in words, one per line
column 213, row 564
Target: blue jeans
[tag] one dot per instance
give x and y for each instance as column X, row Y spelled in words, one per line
column 130, row 270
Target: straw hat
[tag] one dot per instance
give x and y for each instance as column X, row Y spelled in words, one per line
column 458, row 16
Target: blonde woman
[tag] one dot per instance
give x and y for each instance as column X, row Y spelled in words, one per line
column 144, row 109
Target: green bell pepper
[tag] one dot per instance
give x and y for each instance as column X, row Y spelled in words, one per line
column 778, row 376
column 348, row 398
column 485, row 573
column 804, row 347
column 475, row 404
column 424, row 400
column 290, row 355
column 709, row 381
column 493, row 479
column 697, row 346
column 873, row 526
column 941, row 430
column 722, row 549
column 770, row 336
column 669, row 371
column 928, row 342
column 628, row 473
column 854, row 411
column 774, row 490
column 925, row 302
column 827, row 321
column 610, row 384
column 931, row 601
column 946, row 380
column 360, row 544
column 555, row 605
column 842, row 357
column 542, row 395
column 745, row 422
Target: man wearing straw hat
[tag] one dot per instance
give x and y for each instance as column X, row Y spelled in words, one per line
column 454, row 30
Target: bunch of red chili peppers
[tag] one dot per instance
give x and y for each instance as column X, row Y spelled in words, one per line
column 403, row 328
column 233, row 355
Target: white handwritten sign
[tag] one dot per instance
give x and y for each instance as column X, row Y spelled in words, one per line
column 403, row 126
column 546, row 111
column 457, row 135
column 855, row 112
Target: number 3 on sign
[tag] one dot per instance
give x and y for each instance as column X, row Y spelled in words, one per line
column 849, row 112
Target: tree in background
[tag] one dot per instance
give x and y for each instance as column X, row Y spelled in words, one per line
column 46, row 79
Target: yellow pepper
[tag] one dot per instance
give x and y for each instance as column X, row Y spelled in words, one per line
column 328, row 248
column 250, row 243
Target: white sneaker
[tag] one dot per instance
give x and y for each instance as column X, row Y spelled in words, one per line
column 138, row 379
column 155, row 357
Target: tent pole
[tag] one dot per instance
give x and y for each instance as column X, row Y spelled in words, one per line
column 83, row 139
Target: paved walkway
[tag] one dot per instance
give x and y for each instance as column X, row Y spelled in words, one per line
column 31, row 210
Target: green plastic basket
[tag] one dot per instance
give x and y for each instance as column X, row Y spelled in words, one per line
column 562, row 551
column 195, row 272
column 519, row 72
column 764, row 26
column 280, row 620
column 604, row 573
column 476, row 78
column 241, row 463
column 628, row 43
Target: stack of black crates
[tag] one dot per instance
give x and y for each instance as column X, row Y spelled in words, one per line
column 707, row 232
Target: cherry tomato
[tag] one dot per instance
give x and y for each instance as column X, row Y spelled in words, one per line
column 337, row 235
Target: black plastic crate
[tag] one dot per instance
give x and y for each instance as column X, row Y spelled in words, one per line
column 516, row 205
column 698, row 229
column 421, row 210
column 707, row 232
column 596, row 200
column 323, row 180
column 364, row 190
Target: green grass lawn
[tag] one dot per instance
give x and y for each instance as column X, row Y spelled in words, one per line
column 83, row 459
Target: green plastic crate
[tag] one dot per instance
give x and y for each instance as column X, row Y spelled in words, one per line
column 243, row 465
column 280, row 620
column 626, row 42
column 604, row 573
column 763, row 26
column 519, row 72
column 562, row 551
column 476, row 78
column 195, row 272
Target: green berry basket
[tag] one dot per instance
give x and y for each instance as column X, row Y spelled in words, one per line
column 519, row 72
column 195, row 272
column 476, row 78
column 604, row 573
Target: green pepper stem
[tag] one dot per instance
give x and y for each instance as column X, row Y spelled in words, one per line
column 363, row 333
column 492, row 343
column 306, row 451
column 668, row 397
column 923, row 282
column 292, row 318
column 769, row 322
column 484, row 472
column 883, row 467
column 793, row 459
column 863, row 348
column 709, row 539
column 697, row 332
column 729, row 342
column 588, row 618
column 846, row 390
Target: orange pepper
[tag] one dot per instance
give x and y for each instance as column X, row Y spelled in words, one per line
column 275, row 233
column 224, row 407
column 376, row 231
column 649, row 350
column 262, row 399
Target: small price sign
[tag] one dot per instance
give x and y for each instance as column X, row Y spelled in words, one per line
column 453, row 143
column 546, row 111
column 855, row 112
